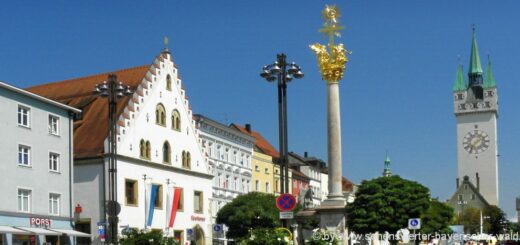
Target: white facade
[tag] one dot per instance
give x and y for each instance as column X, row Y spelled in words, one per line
column 229, row 152
column 324, row 185
column 477, row 150
column 35, row 162
column 158, row 145
column 314, row 174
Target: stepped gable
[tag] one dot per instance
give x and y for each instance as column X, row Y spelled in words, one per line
column 91, row 129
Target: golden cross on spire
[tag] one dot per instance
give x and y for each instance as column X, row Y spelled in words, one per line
column 331, row 27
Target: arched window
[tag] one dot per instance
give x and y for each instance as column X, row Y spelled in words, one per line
column 188, row 160
column 166, row 152
column 142, row 149
column 160, row 115
column 183, row 159
column 148, row 148
column 169, row 82
column 176, row 120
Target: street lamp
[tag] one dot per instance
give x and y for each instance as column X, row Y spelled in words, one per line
column 283, row 72
column 112, row 90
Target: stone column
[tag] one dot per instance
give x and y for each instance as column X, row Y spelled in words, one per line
column 335, row 197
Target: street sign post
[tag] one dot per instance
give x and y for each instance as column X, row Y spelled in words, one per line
column 101, row 231
column 414, row 224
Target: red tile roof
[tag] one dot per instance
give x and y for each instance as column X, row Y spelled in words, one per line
column 261, row 143
column 346, row 185
column 92, row 129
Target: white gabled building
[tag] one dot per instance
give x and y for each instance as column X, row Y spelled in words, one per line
column 229, row 152
column 160, row 159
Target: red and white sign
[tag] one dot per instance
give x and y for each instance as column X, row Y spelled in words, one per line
column 40, row 222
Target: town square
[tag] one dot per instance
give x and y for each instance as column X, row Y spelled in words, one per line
column 259, row 122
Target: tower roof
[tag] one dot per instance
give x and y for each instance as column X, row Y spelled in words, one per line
column 489, row 81
column 460, row 83
column 474, row 63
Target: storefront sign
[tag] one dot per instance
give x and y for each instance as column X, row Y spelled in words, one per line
column 198, row 218
column 40, row 222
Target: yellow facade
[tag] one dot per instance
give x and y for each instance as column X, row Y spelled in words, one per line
column 263, row 172
column 266, row 174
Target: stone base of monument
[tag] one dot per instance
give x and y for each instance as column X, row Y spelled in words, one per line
column 331, row 214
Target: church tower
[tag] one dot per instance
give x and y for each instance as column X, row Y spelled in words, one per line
column 386, row 171
column 476, row 112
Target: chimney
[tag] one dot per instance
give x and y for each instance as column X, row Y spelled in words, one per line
column 305, row 154
column 457, row 183
column 248, row 127
column 478, row 183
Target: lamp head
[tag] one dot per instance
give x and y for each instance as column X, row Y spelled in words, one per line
column 298, row 74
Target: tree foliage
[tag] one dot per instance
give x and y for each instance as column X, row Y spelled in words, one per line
column 494, row 221
column 437, row 218
column 262, row 236
column 249, row 211
column 385, row 204
column 154, row 237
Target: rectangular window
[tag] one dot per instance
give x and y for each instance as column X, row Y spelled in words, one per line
column 54, row 125
column 24, row 116
column 198, row 202
column 257, row 169
column 24, row 155
column 181, row 201
column 159, row 197
column 257, row 185
column 131, row 192
column 267, row 170
column 54, row 204
column 54, row 162
column 178, row 235
column 460, row 197
column 24, row 200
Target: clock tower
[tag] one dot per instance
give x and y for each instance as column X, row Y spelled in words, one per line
column 476, row 112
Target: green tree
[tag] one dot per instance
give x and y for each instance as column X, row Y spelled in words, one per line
column 437, row 218
column 495, row 219
column 154, row 237
column 249, row 211
column 262, row 236
column 385, row 204
column 470, row 218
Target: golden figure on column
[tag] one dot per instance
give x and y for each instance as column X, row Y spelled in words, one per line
column 332, row 65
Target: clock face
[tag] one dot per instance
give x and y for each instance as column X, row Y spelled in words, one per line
column 475, row 142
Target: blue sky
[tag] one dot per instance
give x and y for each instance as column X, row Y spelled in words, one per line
column 396, row 93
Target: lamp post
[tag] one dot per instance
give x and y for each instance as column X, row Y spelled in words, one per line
column 112, row 90
column 283, row 72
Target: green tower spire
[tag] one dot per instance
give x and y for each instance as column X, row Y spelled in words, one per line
column 489, row 81
column 474, row 63
column 386, row 171
column 460, row 83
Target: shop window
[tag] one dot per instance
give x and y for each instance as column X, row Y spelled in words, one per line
column 158, row 202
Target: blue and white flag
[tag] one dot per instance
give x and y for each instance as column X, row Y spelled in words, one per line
column 151, row 205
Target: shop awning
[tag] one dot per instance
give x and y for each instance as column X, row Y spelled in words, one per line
column 71, row 232
column 10, row 229
column 39, row 231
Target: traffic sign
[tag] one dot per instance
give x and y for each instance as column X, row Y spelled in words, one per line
column 414, row 224
column 285, row 202
column 190, row 234
column 218, row 230
column 286, row 215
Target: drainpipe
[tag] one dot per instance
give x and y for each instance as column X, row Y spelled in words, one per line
column 71, row 165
